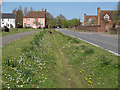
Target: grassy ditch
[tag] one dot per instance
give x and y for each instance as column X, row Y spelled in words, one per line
column 54, row 60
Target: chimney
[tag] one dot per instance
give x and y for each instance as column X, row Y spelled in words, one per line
column 45, row 10
column 84, row 19
column 98, row 14
column 42, row 9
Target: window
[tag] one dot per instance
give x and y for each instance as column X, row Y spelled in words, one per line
column 106, row 17
column 40, row 19
column 28, row 25
column 34, row 19
column 28, row 19
column 41, row 24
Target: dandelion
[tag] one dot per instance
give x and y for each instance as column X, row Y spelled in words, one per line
column 80, row 71
column 100, row 78
column 33, row 85
column 85, row 78
column 89, row 78
column 90, row 82
column 21, row 85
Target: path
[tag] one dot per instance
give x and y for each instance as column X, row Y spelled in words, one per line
column 13, row 37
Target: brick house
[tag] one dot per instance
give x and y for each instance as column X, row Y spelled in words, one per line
column 35, row 19
column 103, row 21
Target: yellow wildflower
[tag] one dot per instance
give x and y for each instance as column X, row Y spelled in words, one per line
column 89, row 81
column 83, row 70
column 89, row 75
column 100, row 78
column 85, row 78
column 33, row 85
column 90, row 78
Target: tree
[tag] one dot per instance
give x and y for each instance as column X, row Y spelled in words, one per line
column 63, row 17
column 74, row 22
column 19, row 16
column 31, row 9
column 65, row 23
column 25, row 11
column 36, row 22
column 49, row 19
column 20, row 8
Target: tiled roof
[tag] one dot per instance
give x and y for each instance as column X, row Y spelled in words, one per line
column 35, row 14
column 8, row 15
column 91, row 16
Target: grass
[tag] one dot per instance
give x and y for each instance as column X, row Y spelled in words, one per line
column 57, row 61
column 15, row 30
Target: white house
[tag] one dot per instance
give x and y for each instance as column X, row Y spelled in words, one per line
column 9, row 20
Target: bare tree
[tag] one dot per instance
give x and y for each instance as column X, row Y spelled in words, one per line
column 31, row 9
column 25, row 11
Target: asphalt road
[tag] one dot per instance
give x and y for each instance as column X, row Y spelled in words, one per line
column 13, row 37
column 107, row 42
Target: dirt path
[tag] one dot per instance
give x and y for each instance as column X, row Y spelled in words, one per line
column 67, row 77
column 13, row 37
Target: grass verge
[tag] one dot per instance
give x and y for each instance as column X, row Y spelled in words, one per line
column 14, row 31
column 54, row 60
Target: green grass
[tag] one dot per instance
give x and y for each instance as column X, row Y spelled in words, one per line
column 16, row 30
column 76, row 30
column 57, row 61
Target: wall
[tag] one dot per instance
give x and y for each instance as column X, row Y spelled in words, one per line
column 89, row 28
column 31, row 22
column 4, row 22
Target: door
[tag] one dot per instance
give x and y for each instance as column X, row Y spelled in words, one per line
column 34, row 25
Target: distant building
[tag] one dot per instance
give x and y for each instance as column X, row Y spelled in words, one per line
column 35, row 19
column 103, row 19
column 9, row 20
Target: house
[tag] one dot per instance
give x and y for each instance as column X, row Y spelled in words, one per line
column 35, row 19
column 9, row 20
column 103, row 21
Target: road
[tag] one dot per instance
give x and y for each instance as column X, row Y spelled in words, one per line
column 12, row 37
column 107, row 42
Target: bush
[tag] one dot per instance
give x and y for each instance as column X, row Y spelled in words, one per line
column 6, row 29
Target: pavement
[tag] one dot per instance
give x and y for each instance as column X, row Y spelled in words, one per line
column 13, row 37
column 105, row 41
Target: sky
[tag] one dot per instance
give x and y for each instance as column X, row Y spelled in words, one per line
column 68, row 9
column 60, row 0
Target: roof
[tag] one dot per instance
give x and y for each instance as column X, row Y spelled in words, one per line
column 91, row 16
column 35, row 14
column 8, row 15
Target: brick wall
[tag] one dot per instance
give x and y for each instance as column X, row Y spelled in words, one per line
column 90, row 28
